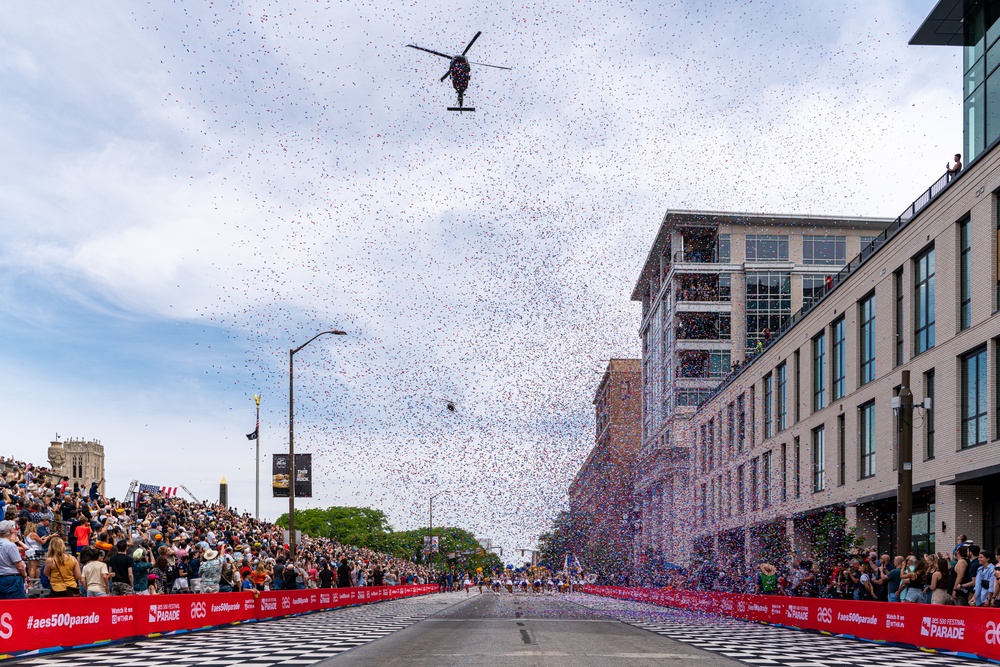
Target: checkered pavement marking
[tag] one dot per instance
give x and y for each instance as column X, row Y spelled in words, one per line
column 300, row 640
column 758, row 644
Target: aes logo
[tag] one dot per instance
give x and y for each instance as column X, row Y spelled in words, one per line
column 824, row 615
column 992, row 632
column 6, row 629
column 198, row 610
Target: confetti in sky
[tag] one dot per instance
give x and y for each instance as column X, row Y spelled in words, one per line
column 192, row 188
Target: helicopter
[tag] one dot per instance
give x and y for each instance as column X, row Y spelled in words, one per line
column 459, row 71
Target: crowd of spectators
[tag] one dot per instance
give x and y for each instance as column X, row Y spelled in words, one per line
column 968, row 576
column 60, row 541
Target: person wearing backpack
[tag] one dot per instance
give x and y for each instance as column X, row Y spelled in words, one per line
column 767, row 580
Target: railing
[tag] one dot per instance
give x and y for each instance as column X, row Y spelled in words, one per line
column 708, row 256
column 698, row 295
column 921, row 202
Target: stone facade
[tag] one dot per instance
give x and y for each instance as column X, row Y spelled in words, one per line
column 80, row 460
column 713, row 285
column 836, row 449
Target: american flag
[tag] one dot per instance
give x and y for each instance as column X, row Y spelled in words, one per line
column 167, row 491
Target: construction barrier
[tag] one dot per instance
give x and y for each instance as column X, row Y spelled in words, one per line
column 53, row 624
column 971, row 631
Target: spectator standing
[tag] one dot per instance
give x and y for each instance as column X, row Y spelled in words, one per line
column 767, row 580
column 894, row 581
column 953, row 170
column 961, row 578
column 141, row 568
column 122, row 571
column 211, row 571
column 12, row 570
column 940, row 591
column 984, row 580
column 81, row 533
column 95, row 573
column 63, row 571
column 344, row 574
column 194, row 570
column 325, row 576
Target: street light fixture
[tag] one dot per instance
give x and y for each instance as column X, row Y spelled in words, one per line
column 430, row 524
column 291, row 436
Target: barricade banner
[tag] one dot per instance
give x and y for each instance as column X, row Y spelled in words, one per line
column 54, row 623
column 969, row 630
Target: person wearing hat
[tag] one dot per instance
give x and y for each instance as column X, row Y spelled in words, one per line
column 12, row 570
column 211, row 571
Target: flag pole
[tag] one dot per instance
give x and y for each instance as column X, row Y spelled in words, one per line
column 256, row 513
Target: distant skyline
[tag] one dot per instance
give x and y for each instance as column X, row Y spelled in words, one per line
column 189, row 190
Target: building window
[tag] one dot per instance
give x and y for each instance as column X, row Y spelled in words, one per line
column 813, row 288
column 725, row 248
column 767, row 248
column 754, row 483
column 867, row 241
column 769, row 304
column 841, row 450
column 719, row 364
column 897, row 281
column 753, row 415
column 741, row 422
column 973, row 406
column 765, row 465
column 824, row 250
column 866, row 309
column 784, row 471
column 839, row 358
column 693, row 397
column 704, row 502
column 782, row 396
column 819, row 372
column 740, row 489
column 798, row 382
column 768, row 406
column 866, row 439
column 711, row 444
column 923, row 306
column 798, row 468
column 730, row 428
column 819, row 459
column 965, row 276
column 929, row 414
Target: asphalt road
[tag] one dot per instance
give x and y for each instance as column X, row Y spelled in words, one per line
column 523, row 630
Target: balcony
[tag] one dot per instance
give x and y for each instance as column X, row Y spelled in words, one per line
column 703, row 326
column 702, row 365
column 703, row 289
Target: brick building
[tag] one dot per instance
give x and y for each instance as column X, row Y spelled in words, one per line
column 601, row 492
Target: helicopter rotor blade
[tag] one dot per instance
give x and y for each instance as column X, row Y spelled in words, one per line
column 420, row 48
column 485, row 65
column 473, row 41
column 446, row 74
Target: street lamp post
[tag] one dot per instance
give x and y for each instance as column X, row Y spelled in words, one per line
column 291, row 436
column 430, row 523
column 256, row 507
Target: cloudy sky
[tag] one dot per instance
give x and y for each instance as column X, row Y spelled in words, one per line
column 188, row 189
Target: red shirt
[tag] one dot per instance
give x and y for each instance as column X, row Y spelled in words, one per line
column 82, row 534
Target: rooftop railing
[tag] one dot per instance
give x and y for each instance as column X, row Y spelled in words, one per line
column 921, row 202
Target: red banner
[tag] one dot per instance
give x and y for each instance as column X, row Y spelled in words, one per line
column 48, row 624
column 969, row 630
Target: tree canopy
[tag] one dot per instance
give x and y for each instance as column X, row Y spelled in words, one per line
column 369, row 528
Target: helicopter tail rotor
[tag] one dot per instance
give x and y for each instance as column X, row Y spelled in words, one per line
column 471, row 42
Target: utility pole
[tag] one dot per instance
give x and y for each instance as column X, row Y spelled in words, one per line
column 904, row 490
column 256, row 507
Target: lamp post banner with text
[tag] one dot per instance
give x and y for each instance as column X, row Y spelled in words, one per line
column 281, row 475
